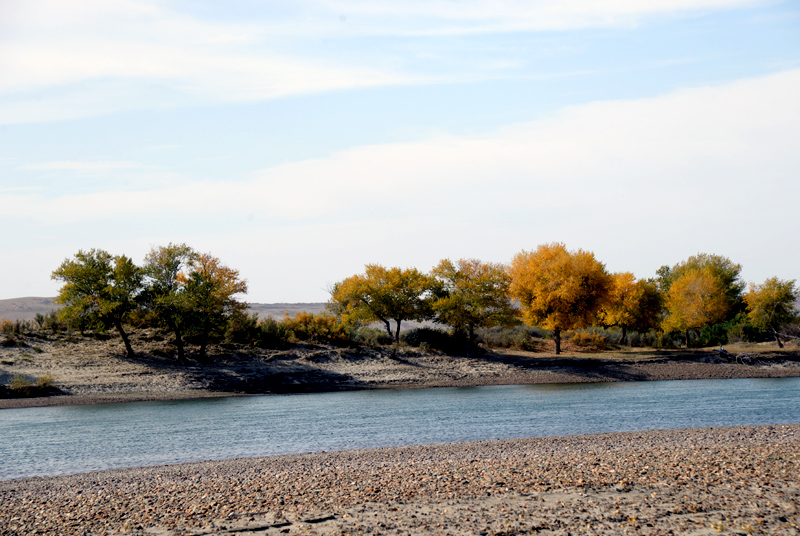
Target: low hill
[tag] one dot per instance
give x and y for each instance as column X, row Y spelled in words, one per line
column 27, row 308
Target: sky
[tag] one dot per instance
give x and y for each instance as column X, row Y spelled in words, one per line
column 300, row 140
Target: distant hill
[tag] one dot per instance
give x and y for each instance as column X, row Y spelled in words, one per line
column 26, row 308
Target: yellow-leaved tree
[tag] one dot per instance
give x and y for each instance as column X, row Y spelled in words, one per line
column 471, row 294
column 381, row 295
column 696, row 298
column 771, row 305
column 632, row 304
column 558, row 289
column 210, row 288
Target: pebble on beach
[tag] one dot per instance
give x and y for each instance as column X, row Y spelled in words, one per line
column 739, row 480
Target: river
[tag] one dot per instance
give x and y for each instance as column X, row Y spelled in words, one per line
column 73, row 439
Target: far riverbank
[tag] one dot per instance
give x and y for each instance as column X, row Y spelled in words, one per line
column 87, row 371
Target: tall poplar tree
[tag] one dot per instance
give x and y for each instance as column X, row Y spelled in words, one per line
column 559, row 289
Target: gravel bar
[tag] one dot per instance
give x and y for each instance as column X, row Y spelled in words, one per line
column 736, row 480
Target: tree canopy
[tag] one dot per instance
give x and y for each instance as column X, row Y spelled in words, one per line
column 632, row 304
column 210, row 288
column 696, row 298
column 559, row 289
column 471, row 294
column 771, row 305
column 726, row 272
column 100, row 290
column 168, row 303
column 382, row 294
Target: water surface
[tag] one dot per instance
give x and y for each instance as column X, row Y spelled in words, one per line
column 72, row 439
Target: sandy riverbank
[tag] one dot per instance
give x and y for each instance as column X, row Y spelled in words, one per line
column 740, row 480
column 88, row 370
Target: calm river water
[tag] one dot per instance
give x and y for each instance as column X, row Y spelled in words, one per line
column 74, row 439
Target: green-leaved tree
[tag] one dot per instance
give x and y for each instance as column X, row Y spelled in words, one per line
column 100, row 290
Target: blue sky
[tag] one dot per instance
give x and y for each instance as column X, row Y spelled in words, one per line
column 298, row 141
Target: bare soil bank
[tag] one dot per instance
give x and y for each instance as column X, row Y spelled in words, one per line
column 740, row 480
column 88, row 370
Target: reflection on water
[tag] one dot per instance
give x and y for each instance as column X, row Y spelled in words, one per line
column 72, row 439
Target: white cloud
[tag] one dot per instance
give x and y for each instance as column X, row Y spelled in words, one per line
column 64, row 60
column 448, row 17
column 642, row 183
column 84, row 167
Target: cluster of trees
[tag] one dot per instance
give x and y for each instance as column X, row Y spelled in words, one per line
column 557, row 289
column 177, row 288
column 193, row 295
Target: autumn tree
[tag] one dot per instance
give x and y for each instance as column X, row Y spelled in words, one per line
column 381, row 295
column 772, row 305
column 166, row 298
column 471, row 294
column 209, row 289
column 726, row 272
column 696, row 298
column 632, row 304
column 100, row 290
column 558, row 289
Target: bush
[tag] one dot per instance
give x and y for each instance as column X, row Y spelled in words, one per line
column 372, row 337
column 321, row 327
column 242, row 328
column 593, row 338
column 272, row 334
column 518, row 337
column 46, row 382
column 20, row 385
column 431, row 339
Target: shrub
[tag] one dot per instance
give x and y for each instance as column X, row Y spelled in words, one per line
column 593, row 338
column 372, row 337
column 518, row 337
column 432, row 338
column 46, row 381
column 7, row 327
column 242, row 328
column 272, row 334
column 20, row 385
column 321, row 327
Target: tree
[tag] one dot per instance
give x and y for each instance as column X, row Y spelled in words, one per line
column 209, row 289
column 164, row 270
column 632, row 305
column 695, row 299
column 771, row 305
column 100, row 290
column 558, row 289
column 722, row 268
column 471, row 294
column 382, row 294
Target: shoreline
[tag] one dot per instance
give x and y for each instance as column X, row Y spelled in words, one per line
column 690, row 481
column 87, row 370
column 546, row 373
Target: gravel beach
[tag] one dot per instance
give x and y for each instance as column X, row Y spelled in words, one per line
column 739, row 480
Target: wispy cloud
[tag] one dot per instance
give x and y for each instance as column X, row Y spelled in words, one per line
column 83, row 167
column 677, row 149
column 63, row 60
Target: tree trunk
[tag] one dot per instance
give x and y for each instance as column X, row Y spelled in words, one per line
column 397, row 331
column 777, row 338
column 203, row 346
column 388, row 328
column 557, row 333
column 624, row 338
column 180, row 346
column 128, row 348
column 686, row 334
